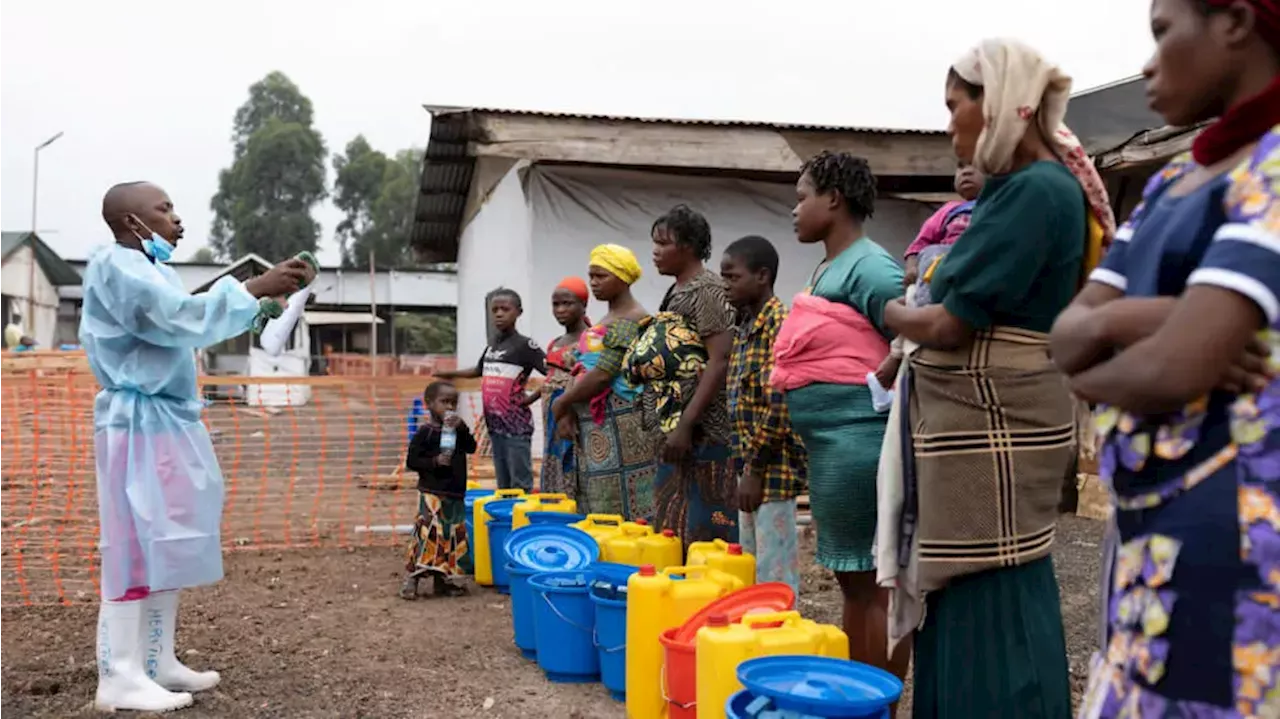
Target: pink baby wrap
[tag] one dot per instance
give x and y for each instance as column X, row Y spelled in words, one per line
column 824, row 341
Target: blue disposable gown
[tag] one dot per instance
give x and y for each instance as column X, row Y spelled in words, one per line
column 160, row 488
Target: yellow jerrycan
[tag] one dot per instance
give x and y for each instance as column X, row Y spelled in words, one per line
column 722, row 646
column 656, row 602
column 700, row 552
column 551, row 502
column 480, row 522
column 624, row 547
column 601, row 527
column 662, row 550
column 734, row 561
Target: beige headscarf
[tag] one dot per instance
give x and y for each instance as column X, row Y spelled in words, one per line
column 1020, row 86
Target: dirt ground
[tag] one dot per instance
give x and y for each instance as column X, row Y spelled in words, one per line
column 321, row 633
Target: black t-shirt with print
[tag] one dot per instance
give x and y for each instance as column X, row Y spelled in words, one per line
column 505, row 366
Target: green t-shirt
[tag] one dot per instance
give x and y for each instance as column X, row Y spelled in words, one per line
column 865, row 277
column 1018, row 264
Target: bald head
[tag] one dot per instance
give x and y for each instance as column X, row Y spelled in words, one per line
column 136, row 209
column 126, row 198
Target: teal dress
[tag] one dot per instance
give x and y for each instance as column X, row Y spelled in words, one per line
column 840, row 429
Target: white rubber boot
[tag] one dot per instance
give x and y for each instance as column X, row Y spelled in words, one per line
column 122, row 678
column 161, row 619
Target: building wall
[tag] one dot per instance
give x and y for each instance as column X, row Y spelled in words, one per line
column 41, row 320
column 495, row 250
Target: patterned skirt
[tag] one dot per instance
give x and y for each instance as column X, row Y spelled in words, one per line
column 695, row 497
column 616, row 461
column 558, row 475
column 439, row 541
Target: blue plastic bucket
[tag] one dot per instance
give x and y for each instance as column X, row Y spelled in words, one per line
column 736, row 707
column 469, row 502
column 541, row 548
column 562, row 518
column 522, row 609
column 609, row 595
column 740, row 706
column 499, row 529
column 564, row 624
column 813, row 686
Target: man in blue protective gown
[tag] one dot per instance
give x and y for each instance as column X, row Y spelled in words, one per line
column 159, row 486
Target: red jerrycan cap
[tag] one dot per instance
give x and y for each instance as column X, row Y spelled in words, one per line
column 642, row 522
column 648, row 570
column 718, row 620
column 668, row 533
column 734, row 549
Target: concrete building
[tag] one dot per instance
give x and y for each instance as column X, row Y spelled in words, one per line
column 33, row 275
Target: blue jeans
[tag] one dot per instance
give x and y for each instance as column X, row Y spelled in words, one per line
column 513, row 461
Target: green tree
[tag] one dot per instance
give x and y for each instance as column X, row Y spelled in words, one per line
column 358, row 172
column 426, row 334
column 276, row 177
column 378, row 196
column 202, row 254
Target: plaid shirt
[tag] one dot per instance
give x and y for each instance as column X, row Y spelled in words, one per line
column 761, row 424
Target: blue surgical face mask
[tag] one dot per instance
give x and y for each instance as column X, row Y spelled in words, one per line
column 160, row 249
column 156, row 247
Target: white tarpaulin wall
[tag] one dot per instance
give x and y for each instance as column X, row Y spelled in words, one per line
column 540, row 223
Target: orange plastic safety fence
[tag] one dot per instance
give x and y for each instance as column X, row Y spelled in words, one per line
column 308, row 462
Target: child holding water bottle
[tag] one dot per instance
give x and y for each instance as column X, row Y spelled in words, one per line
column 438, row 453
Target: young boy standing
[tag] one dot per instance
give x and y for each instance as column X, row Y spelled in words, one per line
column 772, row 460
column 505, row 366
column 438, row 453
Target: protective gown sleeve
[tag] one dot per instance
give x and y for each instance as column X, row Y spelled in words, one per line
column 138, row 297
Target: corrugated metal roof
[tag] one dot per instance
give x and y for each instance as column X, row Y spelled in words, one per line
column 447, row 169
column 51, row 263
column 438, row 110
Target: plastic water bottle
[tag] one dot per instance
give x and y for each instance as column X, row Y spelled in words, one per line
column 448, row 438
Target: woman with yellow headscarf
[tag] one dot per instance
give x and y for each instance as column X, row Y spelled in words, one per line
column 616, row 458
column 987, row 422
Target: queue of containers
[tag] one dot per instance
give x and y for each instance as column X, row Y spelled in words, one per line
column 674, row 635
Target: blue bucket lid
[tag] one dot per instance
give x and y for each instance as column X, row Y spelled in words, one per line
column 612, row 574
column 494, row 508
column 473, row 494
column 820, row 685
column 551, row 547
column 501, row 513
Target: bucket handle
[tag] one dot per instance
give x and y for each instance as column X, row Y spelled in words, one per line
column 595, row 639
column 604, row 520
column 690, row 572
column 563, row 618
column 548, row 498
column 667, row 697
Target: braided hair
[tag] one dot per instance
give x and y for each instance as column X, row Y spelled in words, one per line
column 688, row 227
column 847, row 174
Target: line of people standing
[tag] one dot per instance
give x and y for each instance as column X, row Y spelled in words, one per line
column 939, row 517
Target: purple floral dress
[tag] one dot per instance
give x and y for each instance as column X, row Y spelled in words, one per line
column 1194, row 617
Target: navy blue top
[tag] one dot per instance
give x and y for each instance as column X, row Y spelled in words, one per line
column 1196, row 583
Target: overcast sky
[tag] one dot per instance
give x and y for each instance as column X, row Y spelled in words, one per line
column 146, row 89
